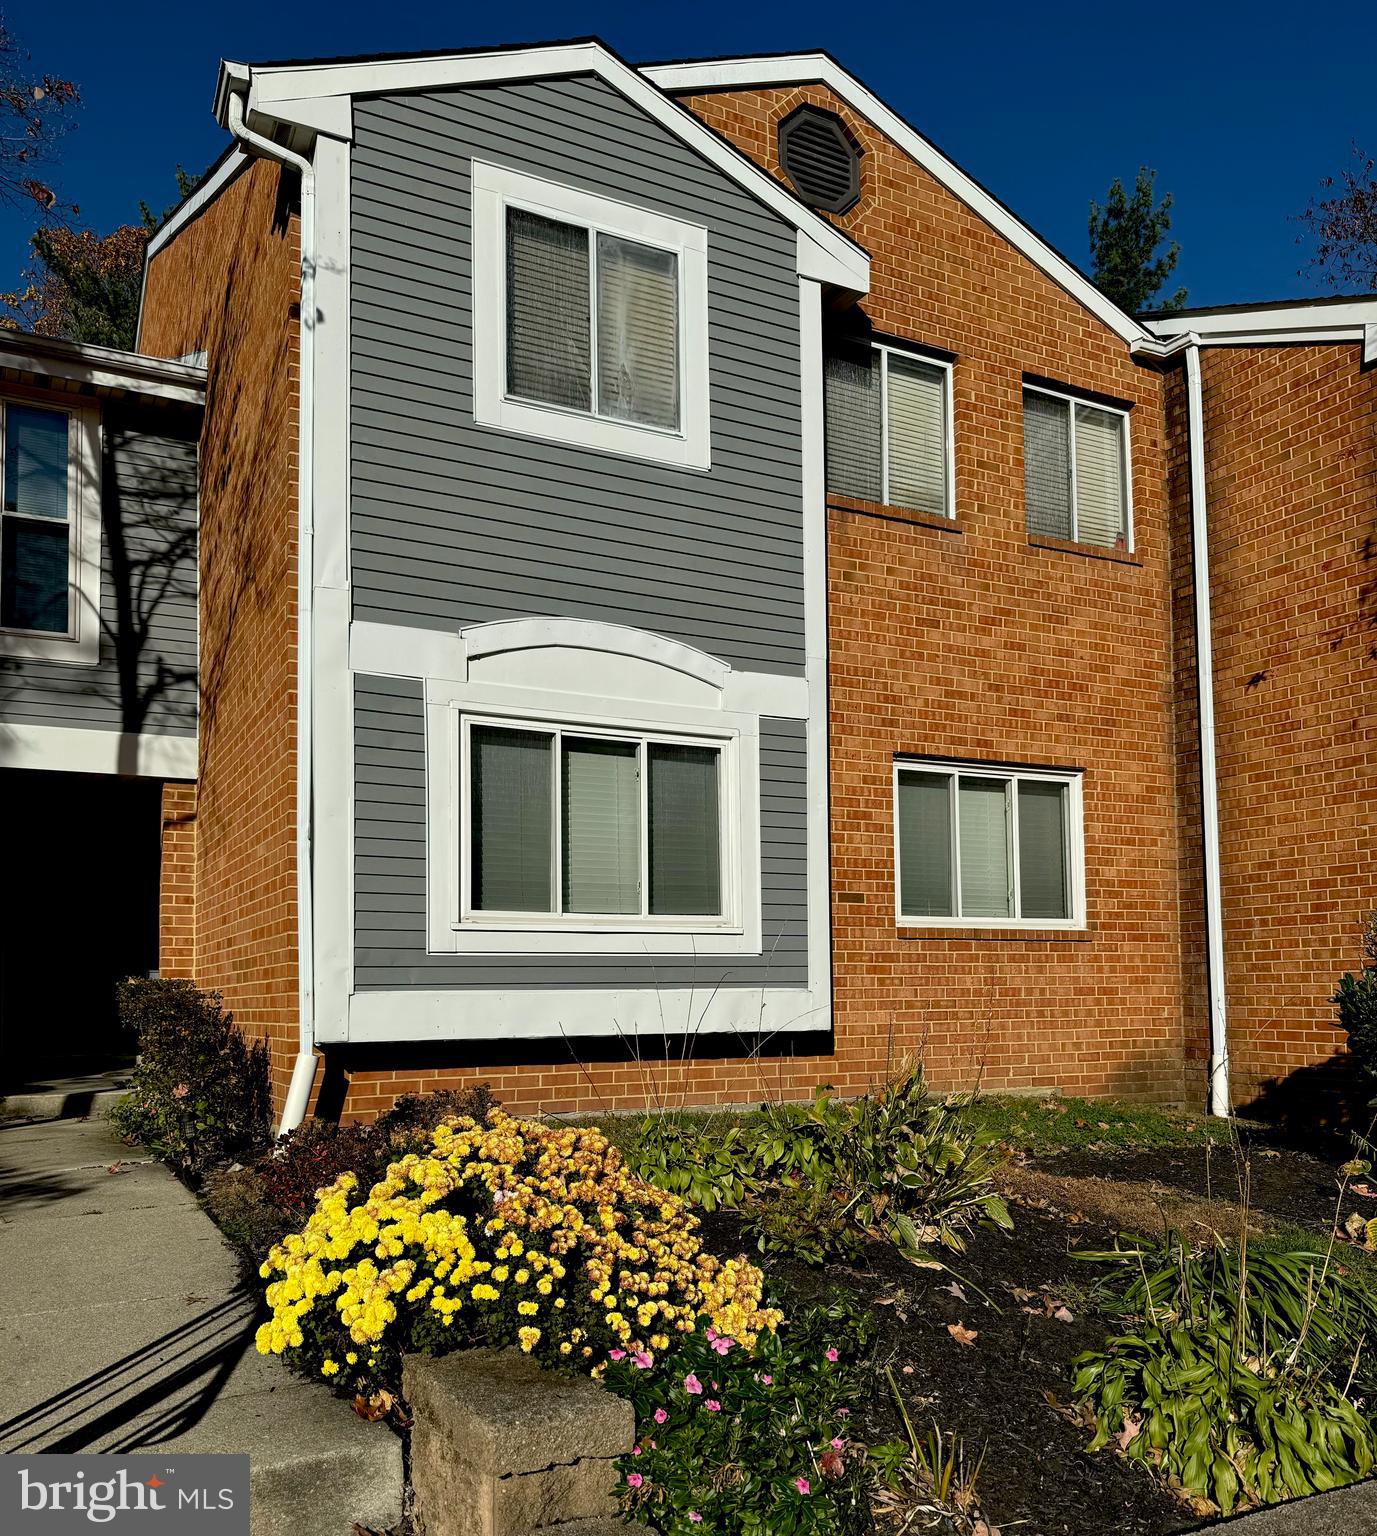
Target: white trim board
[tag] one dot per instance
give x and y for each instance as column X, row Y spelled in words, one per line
column 1321, row 322
column 48, row 357
column 294, row 93
column 805, row 68
column 68, row 750
column 394, row 1015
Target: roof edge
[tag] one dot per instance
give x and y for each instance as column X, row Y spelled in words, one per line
column 102, row 367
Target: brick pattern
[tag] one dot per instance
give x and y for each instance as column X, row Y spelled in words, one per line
column 967, row 642
column 1291, row 460
column 177, row 882
column 228, row 285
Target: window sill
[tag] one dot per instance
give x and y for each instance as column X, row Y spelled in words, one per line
column 893, row 514
column 33, row 645
column 998, row 935
column 1090, row 551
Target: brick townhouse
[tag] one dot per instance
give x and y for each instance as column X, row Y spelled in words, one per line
column 698, row 599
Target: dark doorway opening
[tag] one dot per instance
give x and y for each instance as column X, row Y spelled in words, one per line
column 79, row 912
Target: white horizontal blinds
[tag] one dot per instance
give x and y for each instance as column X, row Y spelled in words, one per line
column 925, row 872
column 1100, row 499
column 917, row 433
column 685, row 831
column 1042, row 874
column 601, row 814
column 36, row 459
column 984, row 836
column 549, row 327
column 1047, row 464
column 852, row 392
column 511, row 795
column 35, row 538
column 638, row 333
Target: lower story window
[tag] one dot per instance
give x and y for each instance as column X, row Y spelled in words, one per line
column 987, row 846
column 572, row 824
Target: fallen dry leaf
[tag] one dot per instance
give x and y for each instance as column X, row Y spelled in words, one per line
column 962, row 1334
column 1019, row 1294
column 1356, row 1227
column 908, row 1370
column 954, row 1289
column 1363, row 1189
column 1064, row 1315
column 114, row 1167
column 1129, row 1433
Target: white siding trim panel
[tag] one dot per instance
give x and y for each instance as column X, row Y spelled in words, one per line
column 67, row 750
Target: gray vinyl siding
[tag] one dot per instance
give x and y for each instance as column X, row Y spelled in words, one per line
column 455, row 524
column 145, row 678
column 390, row 870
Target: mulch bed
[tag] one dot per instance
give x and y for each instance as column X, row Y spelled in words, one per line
column 1036, row 1478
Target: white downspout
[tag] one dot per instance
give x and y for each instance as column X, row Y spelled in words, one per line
column 1209, row 780
column 304, row 1068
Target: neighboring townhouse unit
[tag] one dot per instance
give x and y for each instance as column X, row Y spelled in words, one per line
column 693, row 589
column 98, row 697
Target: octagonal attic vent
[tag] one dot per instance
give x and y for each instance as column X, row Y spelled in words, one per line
column 819, row 158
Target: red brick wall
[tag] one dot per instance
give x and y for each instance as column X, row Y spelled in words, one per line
column 177, row 882
column 228, row 285
column 1291, row 483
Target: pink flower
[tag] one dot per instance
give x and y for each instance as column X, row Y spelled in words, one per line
column 616, row 1354
column 692, row 1385
column 642, row 1360
column 711, row 1334
column 838, row 1445
column 832, row 1355
column 634, row 1479
column 802, row 1484
column 635, row 1450
column 844, row 1413
column 660, row 1415
column 695, row 1517
column 712, row 1405
column 767, row 1380
column 721, row 1344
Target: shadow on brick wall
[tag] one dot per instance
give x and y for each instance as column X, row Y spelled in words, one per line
column 1316, row 1107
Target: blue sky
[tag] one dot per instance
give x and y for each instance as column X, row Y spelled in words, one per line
column 1241, row 108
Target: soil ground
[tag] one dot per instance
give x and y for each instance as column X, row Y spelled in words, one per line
column 999, row 1393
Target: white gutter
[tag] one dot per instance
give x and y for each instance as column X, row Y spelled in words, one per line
column 1209, row 778
column 304, row 1069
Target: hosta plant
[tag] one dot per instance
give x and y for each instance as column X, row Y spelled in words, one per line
column 1233, row 1373
column 505, row 1232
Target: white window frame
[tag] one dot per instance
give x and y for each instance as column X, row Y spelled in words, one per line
column 1125, row 451
column 495, row 190
column 1075, row 838
column 80, row 644
column 948, row 433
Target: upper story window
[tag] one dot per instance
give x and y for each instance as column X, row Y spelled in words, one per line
column 49, row 535
column 1076, row 470
column 889, row 427
column 589, row 826
column 590, row 320
column 989, row 846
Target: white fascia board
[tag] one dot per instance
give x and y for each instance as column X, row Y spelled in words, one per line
column 48, row 357
column 278, row 91
column 806, row 68
column 1318, row 323
column 67, row 749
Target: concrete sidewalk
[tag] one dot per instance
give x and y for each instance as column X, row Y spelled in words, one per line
column 125, row 1329
column 1348, row 1511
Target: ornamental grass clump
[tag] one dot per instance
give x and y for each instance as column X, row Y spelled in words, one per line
column 500, row 1232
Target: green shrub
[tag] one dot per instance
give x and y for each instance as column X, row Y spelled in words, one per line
column 729, row 1440
column 708, row 1164
column 200, row 1092
column 899, row 1162
column 1233, row 1373
column 1356, row 1001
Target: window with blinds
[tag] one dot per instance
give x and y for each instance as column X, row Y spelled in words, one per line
column 570, row 824
column 1076, row 479
column 592, row 322
column 36, row 520
column 888, row 427
column 982, row 845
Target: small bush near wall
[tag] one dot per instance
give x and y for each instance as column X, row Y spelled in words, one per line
column 200, row 1092
column 1356, row 1001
